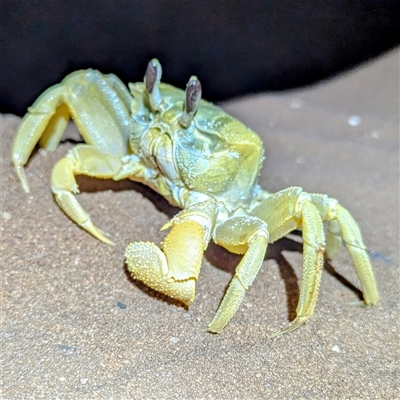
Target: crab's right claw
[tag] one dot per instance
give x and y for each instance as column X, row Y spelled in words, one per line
column 173, row 271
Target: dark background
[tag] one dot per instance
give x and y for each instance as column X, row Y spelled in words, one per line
column 234, row 47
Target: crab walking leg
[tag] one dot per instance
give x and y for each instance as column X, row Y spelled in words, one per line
column 343, row 226
column 90, row 161
column 51, row 136
column 313, row 261
column 98, row 103
column 244, row 276
column 109, row 87
column 352, row 237
column 174, row 270
column 31, row 129
column 283, row 212
column 246, row 235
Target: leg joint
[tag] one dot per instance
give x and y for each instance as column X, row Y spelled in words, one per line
column 303, row 196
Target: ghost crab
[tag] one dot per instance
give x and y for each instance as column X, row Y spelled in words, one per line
column 200, row 159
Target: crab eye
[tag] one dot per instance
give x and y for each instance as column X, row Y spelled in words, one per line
column 152, row 80
column 192, row 100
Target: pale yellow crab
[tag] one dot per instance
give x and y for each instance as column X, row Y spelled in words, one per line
column 200, row 159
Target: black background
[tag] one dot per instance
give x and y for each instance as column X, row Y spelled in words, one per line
column 234, row 47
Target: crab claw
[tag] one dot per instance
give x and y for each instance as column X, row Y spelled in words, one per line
column 152, row 80
column 174, row 270
column 192, row 100
column 146, row 263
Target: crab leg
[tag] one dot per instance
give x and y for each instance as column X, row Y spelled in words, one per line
column 313, row 261
column 32, row 127
column 175, row 270
column 240, row 234
column 55, row 128
column 285, row 211
column 357, row 250
column 342, row 226
column 98, row 103
column 90, row 161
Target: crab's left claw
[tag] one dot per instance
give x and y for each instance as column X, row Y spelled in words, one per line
column 174, row 270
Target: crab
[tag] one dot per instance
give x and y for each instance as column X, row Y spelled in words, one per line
column 200, row 159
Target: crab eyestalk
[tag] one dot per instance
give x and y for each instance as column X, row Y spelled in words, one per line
column 152, row 80
column 192, row 100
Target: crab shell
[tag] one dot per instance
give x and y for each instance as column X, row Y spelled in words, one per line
column 216, row 155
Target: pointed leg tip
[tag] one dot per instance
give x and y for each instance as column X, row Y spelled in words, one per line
column 360, row 304
column 215, row 327
column 289, row 328
column 22, row 178
column 96, row 232
column 275, row 335
column 214, row 330
column 280, row 333
column 108, row 241
column 26, row 188
column 103, row 238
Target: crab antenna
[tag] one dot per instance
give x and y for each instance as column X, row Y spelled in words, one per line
column 192, row 100
column 152, row 80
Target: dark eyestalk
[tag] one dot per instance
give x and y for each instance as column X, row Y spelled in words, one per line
column 152, row 80
column 192, row 100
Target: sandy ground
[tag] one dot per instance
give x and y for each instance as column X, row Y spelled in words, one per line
column 74, row 325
